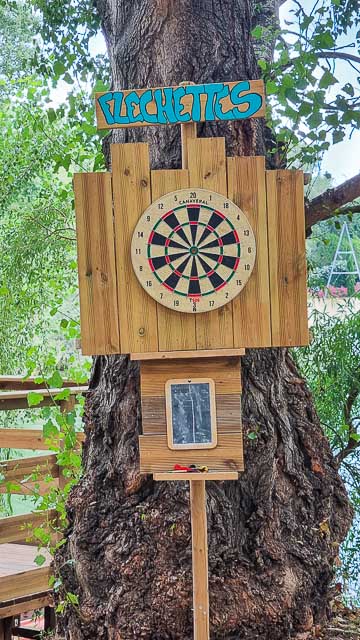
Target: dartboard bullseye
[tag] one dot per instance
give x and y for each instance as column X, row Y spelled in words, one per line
column 193, row 250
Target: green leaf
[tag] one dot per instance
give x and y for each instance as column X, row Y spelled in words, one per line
column 71, row 597
column 257, row 32
column 56, row 380
column 271, row 87
column 349, row 89
column 34, row 398
column 39, row 560
column 49, row 429
column 355, row 436
column 59, row 68
column 252, row 435
column 63, row 395
column 327, row 80
column 338, row 136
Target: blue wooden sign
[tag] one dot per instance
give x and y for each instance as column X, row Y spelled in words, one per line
column 181, row 104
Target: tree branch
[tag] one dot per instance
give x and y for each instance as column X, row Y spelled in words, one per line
column 338, row 54
column 327, row 204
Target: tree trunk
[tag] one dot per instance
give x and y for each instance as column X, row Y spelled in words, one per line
column 274, row 534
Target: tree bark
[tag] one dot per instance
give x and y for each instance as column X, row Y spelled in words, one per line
column 274, row 534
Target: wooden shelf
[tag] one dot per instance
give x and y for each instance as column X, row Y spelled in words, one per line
column 173, row 355
column 206, row 475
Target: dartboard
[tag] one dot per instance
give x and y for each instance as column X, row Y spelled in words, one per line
column 193, row 250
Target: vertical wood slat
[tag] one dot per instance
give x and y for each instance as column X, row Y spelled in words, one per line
column 176, row 330
column 251, row 308
column 207, row 168
column 132, row 195
column 287, row 261
column 96, row 264
column 200, row 570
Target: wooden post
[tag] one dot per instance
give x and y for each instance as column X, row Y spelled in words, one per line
column 6, row 628
column 199, row 559
column 188, row 130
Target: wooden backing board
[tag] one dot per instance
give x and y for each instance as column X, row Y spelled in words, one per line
column 175, row 330
column 132, row 195
column 155, row 456
column 287, row 259
column 251, row 308
column 228, row 413
column 224, row 371
column 207, row 169
column 96, row 263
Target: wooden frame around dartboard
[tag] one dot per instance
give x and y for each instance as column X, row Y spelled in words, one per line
column 118, row 316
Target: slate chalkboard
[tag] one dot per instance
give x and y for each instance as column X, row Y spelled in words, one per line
column 191, row 413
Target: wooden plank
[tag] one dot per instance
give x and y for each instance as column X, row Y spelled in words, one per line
column 10, row 400
column 202, row 353
column 207, row 168
column 112, row 111
column 18, row 528
column 251, row 308
column 24, row 583
column 18, row 383
column 287, row 259
column 176, row 330
column 224, row 371
column 155, row 456
column 26, row 603
column 15, row 470
column 19, row 438
column 228, row 414
column 96, row 264
column 199, row 560
column 131, row 192
column 28, row 488
column 194, row 477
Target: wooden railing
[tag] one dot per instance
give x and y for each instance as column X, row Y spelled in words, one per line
column 23, row 585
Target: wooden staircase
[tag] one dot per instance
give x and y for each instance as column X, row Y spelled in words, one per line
column 24, row 586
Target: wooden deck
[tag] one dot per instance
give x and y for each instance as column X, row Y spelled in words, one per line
column 19, row 574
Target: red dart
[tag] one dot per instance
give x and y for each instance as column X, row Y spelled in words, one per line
column 180, row 467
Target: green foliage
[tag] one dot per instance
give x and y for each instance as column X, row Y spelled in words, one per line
column 310, row 107
column 331, row 366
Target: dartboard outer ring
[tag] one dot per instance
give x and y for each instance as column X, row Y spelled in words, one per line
column 193, row 250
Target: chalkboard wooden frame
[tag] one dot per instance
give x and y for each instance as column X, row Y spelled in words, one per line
column 172, row 444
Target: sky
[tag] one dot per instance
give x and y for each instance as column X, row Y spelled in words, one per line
column 342, row 160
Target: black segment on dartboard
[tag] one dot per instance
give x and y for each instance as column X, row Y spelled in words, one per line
column 193, row 213
column 181, row 268
column 172, row 281
column 159, row 239
column 228, row 238
column 161, row 261
column 216, row 280
column 214, row 222
column 204, row 265
column 173, row 222
column 194, row 269
column 227, row 261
